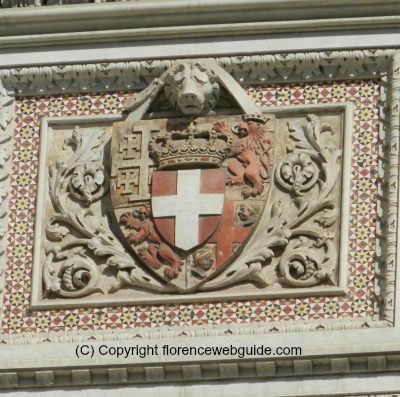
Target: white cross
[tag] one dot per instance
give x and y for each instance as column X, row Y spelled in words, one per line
column 186, row 206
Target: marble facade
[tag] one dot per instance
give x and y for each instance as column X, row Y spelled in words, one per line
column 334, row 116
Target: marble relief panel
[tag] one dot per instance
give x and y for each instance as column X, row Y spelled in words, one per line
column 357, row 300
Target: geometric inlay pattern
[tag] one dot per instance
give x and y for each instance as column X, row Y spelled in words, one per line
column 359, row 298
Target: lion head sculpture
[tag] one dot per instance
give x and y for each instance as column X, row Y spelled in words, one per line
column 192, row 88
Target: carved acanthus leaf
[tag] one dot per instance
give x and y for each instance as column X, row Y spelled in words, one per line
column 55, row 232
column 328, row 217
column 250, row 266
column 79, row 229
column 305, row 263
column 310, row 166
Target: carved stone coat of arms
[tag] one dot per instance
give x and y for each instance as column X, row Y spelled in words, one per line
column 187, row 193
column 199, row 192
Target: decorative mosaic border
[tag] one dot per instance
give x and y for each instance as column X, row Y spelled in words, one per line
column 387, row 295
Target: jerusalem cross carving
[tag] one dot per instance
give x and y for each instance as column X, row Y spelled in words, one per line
column 133, row 166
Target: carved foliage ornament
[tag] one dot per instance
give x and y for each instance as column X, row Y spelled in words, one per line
column 201, row 203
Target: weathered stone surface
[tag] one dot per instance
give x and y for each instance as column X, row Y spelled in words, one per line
column 291, row 168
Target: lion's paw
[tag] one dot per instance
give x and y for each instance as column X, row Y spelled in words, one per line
column 148, row 258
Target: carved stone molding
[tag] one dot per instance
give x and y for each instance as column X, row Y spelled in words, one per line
column 256, row 69
column 183, row 372
column 178, row 333
column 6, row 117
column 38, row 26
column 391, row 215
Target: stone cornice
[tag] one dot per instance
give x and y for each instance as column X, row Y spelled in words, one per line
column 92, row 375
column 154, row 20
column 198, row 31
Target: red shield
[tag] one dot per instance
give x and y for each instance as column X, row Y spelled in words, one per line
column 184, row 222
column 228, row 234
column 187, row 205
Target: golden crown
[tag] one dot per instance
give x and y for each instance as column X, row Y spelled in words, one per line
column 193, row 147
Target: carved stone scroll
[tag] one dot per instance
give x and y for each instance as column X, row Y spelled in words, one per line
column 301, row 215
column 80, row 242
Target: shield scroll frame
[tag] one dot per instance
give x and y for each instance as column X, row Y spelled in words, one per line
column 130, row 296
column 338, row 351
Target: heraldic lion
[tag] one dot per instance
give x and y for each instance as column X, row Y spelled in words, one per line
column 252, row 154
column 140, row 220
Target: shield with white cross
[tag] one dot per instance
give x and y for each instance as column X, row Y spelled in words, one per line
column 187, row 205
column 187, row 193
